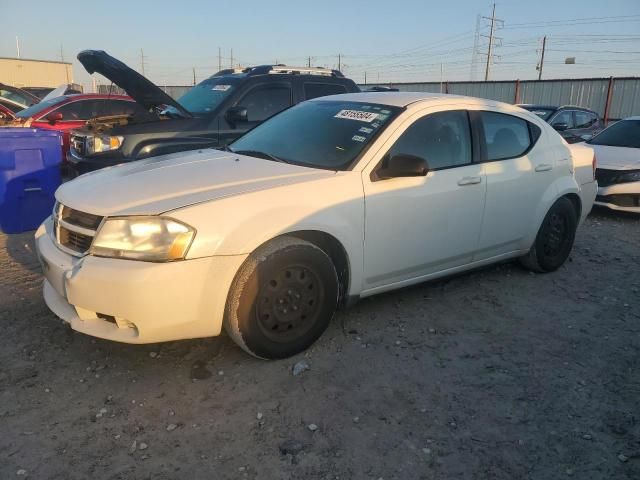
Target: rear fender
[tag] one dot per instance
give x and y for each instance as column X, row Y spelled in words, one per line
column 561, row 187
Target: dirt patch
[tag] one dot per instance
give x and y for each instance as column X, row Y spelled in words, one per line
column 496, row 374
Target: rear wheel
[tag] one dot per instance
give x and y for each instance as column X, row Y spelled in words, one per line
column 282, row 298
column 555, row 238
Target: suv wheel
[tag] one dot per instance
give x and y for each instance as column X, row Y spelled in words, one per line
column 555, row 238
column 282, row 298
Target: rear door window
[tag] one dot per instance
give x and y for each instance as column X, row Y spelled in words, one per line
column 505, row 136
column 315, row 90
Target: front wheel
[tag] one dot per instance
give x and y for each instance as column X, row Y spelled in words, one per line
column 282, row 298
column 555, row 238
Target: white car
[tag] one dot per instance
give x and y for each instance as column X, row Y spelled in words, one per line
column 617, row 149
column 332, row 200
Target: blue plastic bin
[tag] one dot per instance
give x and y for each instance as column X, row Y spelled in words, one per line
column 29, row 176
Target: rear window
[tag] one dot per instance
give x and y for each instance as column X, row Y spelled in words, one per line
column 314, row 90
column 625, row 133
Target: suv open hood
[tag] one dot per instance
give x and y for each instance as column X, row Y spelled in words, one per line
column 143, row 91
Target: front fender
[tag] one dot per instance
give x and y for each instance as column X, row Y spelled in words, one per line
column 239, row 224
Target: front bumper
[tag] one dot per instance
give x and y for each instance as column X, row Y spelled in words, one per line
column 135, row 302
column 624, row 197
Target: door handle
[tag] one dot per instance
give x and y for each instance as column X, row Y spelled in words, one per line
column 469, row 181
column 543, row 167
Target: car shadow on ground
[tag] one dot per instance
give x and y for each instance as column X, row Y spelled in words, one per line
column 21, row 247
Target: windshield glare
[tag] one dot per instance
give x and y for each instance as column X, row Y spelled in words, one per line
column 320, row 134
column 625, row 133
column 207, row 95
column 34, row 110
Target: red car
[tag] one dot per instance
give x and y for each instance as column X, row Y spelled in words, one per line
column 69, row 112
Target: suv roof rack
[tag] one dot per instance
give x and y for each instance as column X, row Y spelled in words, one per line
column 282, row 69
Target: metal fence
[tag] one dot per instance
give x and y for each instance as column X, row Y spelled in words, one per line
column 612, row 98
column 174, row 91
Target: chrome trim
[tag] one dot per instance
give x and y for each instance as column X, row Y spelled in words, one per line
column 75, row 228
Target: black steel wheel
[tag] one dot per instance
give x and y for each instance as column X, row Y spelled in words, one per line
column 555, row 238
column 282, row 298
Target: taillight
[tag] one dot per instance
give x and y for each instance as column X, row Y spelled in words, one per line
column 594, row 165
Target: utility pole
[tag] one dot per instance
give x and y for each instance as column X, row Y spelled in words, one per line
column 309, row 62
column 492, row 39
column 142, row 61
column 339, row 62
column 544, row 45
column 18, row 46
column 365, row 78
column 441, row 77
column 194, row 75
column 232, row 58
column 219, row 59
column 66, row 70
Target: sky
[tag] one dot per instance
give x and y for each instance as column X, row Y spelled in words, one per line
column 389, row 41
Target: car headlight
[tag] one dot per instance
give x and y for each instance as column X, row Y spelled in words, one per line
column 103, row 143
column 150, row 239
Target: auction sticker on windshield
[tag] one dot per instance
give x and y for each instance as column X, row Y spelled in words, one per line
column 221, row 88
column 357, row 115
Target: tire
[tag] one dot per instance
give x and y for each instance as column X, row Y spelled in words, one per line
column 554, row 239
column 282, row 298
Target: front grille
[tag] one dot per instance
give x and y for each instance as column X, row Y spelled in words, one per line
column 75, row 241
column 74, row 230
column 606, row 177
column 82, row 219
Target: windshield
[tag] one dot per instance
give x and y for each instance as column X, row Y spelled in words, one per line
column 323, row 134
column 15, row 97
column 207, row 95
column 543, row 113
column 625, row 133
column 34, row 110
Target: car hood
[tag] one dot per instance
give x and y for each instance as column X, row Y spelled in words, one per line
column 142, row 90
column 161, row 184
column 617, row 158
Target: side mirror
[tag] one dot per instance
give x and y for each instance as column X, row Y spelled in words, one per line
column 53, row 117
column 560, row 127
column 237, row 114
column 403, row 165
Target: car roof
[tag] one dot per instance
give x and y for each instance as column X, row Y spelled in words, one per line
column 554, row 107
column 395, row 99
column 98, row 96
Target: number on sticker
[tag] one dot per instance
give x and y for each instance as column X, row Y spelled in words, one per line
column 357, row 115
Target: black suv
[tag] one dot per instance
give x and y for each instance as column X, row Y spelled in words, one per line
column 575, row 124
column 211, row 114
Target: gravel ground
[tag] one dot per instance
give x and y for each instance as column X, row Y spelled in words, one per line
column 495, row 374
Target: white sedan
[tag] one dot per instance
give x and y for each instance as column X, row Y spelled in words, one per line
column 335, row 199
column 617, row 149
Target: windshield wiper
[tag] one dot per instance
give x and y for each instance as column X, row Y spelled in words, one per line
column 258, row 154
